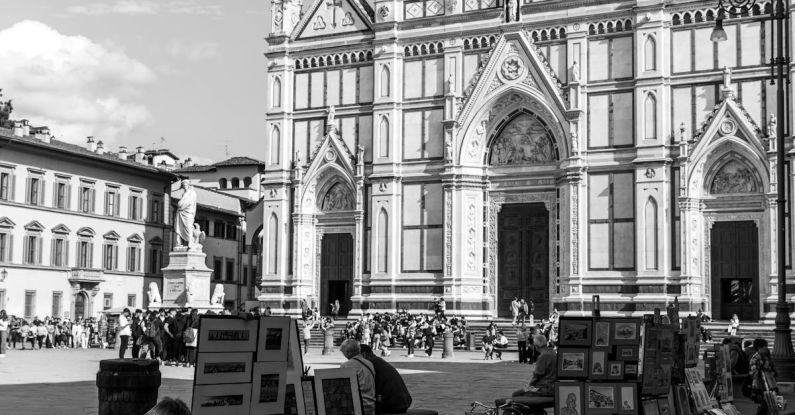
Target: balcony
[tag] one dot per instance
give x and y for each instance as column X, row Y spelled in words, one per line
column 86, row 275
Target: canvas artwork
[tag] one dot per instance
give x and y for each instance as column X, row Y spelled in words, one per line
column 215, row 368
column 627, row 352
column 631, row 369
column 615, row 370
column 626, row 331
column 627, row 398
column 598, row 364
column 293, row 396
column 650, row 407
column 227, row 334
column 227, row 399
column 601, row 398
column 268, row 387
column 274, row 333
column 682, row 399
column 574, row 331
column 572, row 363
column 337, row 392
column 569, row 395
column 656, row 377
column 601, row 336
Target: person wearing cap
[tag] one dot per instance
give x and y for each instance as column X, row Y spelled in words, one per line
column 365, row 373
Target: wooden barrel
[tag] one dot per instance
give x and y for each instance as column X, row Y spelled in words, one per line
column 127, row 386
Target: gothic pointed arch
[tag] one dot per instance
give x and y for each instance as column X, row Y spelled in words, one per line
column 337, row 196
column 383, row 137
column 273, row 244
column 275, row 145
column 732, row 174
column 276, row 93
column 650, row 230
column 522, row 138
column 650, row 117
column 382, row 242
column 650, row 53
column 385, row 81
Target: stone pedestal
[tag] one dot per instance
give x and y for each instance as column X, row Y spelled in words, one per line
column 328, row 342
column 186, row 280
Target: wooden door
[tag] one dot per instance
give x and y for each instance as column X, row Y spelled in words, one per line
column 336, row 272
column 735, row 270
column 523, row 246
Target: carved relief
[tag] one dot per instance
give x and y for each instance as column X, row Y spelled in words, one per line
column 575, row 229
column 337, row 198
column 448, row 233
column 471, row 236
column 733, row 177
column 319, row 24
column 512, row 68
column 524, row 140
column 383, row 12
column 348, row 19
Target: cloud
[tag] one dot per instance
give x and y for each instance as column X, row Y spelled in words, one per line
column 145, row 7
column 198, row 51
column 74, row 85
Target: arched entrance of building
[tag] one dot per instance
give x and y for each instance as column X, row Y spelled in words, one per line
column 82, row 305
column 735, row 270
column 336, row 272
column 523, row 263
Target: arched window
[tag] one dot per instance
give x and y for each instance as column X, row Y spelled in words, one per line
column 273, row 242
column 650, row 54
column 222, row 183
column 650, row 231
column 650, row 117
column 276, row 99
column 235, row 183
column 247, row 182
column 383, row 241
column 276, row 137
column 383, row 137
column 385, row 81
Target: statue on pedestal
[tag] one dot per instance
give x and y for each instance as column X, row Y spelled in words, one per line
column 218, row 295
column 154, row 295
column 186, row 215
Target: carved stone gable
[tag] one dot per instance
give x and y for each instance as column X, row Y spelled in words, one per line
column 330, row 17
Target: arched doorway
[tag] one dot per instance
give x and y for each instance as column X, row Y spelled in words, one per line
column 336, row 272
column 82, row 306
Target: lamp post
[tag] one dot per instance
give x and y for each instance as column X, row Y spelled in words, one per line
column 779, row 17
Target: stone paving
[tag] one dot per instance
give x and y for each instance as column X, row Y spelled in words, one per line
column 62, row 381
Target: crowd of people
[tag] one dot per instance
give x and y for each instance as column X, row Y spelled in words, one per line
column 54, row 333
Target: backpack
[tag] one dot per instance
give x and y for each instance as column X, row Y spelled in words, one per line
column 149, row 330
column 188, row 335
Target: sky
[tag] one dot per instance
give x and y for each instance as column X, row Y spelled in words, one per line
column 129, row 72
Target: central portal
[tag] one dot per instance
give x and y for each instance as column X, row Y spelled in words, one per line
column 735, row 270
column 336, row 272
column 523, row 272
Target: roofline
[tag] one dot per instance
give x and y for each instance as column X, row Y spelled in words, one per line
column 118, row 162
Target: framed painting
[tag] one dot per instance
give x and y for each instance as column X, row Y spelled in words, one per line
column 215, row 368
column 650, row 407
column 601, row 333
column 308, row 389
column 274, row 336
column 572, row 363
column 628, row 352
column 598, row 364
column 628, row 398
column 337, row 392
column 293, row 396
column 575, row 331
column 664, row 407
column 268, row 387
column 630, row 370
column 601, row 398
column 295, row 358
column 226, row 334
column 682, row 399
column 227, row 399
column 568, row 398
column 615, row 370
column 626, row 331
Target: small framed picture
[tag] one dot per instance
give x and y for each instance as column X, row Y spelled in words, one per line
column 682, row 399
column 227, row 334
column 572, row 363
column 569, row 397
column 598, row 364
column 615, row 370
column 627, row 352
column 308, row 389
column 215, row 368
column 274, row 336
column 337, row 392
column 268, row 387
column 630, row 370
column 626, row 331
column 628, row 398
column 224, row 399
column 650, row 407
column 601, row 398
column 293, row 396
column 575, row 331
column 601, row 333
column 664, row 407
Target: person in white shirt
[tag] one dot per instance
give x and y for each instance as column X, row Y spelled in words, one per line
column 3, row 332
column 307, row 332
column 124, row 331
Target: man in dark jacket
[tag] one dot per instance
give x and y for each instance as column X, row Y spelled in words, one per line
column 391, row 393
column 137, row 331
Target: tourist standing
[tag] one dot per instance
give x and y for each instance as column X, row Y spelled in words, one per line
column 335, row 308
column 734, row 325
column 307, row 333
column 192, row 339
column 3, row 332
column 521, row 342
column 136, row 331
column 124, row 331
column 515, row 309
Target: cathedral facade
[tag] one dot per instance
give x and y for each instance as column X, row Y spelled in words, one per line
column 481, row 150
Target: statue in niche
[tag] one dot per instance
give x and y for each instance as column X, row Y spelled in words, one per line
column 733, row 177
column 524, row 140
column 512, row 11
column 772, row 124
column 331, row 122
column 336, row 199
